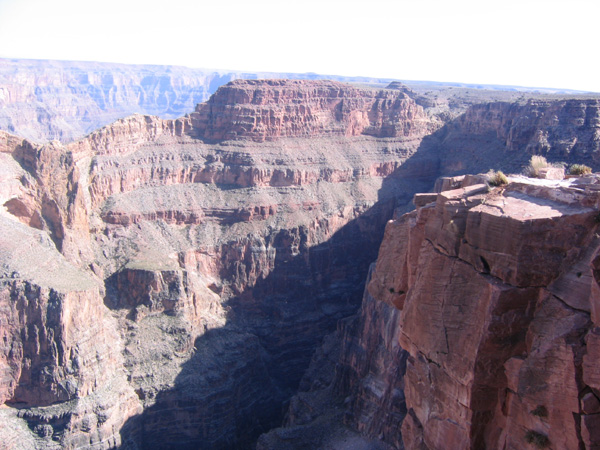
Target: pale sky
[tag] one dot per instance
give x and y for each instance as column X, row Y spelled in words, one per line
column 536, row 43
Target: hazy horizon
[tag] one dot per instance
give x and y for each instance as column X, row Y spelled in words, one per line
column 526, row 43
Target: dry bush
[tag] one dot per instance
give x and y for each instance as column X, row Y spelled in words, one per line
column 579, row 169
column 536, row 163
column 496, row 178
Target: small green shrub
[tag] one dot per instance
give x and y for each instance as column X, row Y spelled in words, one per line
column 538, row 439
column 579, row 169
column 497, row 178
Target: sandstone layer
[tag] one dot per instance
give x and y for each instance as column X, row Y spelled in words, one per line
column 65, row 100
column 165, row 283
column 498, row 297
column 211, row 263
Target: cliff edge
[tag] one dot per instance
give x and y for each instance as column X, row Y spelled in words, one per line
column 499, row 297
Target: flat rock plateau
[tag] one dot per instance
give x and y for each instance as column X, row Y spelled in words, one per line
column 196, row 281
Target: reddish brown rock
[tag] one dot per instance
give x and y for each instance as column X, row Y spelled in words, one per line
column 216, row 251
column 265, row 110
column 52, row 354
column 496, row 316
column 590, row 430
column 591, row 371
column 195, row 249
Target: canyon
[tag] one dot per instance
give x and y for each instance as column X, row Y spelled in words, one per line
column 44, row 100
column 196, row 282
column 477, row 329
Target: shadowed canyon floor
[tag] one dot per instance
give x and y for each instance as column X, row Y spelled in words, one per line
column 498, row 327
column 166, row 283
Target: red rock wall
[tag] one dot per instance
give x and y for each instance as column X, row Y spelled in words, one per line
column 504, row 135
column 497, row 298
column 61, row 377
column 265, row 110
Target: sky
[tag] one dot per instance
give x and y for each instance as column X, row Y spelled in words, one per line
column 535, row 43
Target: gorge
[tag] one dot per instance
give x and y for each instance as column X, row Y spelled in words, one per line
column 193, row 282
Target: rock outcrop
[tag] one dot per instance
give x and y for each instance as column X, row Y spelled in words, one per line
column 215, row 265
column 497, row 293
column 166, row 282
column 266, row 110
column 477, row 329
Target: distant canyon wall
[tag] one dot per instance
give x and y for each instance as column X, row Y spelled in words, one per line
column 209, row 255
column 505, row 135
column 46, row 100
column 65, row 100
column 212, row 269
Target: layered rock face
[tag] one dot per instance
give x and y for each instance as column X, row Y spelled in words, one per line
column 504, row 135
column 165, row 283
column 60, row 359
column 65, row 100
column 266, row 110
column 45, row 100
column 211, row 269
column 498, row 298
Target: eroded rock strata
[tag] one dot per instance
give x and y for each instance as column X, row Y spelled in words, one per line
column 504, row 135
column 492, row 294
column 498, row 313
column 44, row 100
column 165, row 283
column 197, row 269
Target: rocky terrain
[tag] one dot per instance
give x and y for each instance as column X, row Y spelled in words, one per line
column 65, row 100
column 212, row 256
column 478, row 328
column 166, row 282
column 506, row 281
column 44, row 100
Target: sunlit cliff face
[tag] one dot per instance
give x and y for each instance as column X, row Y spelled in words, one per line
column 166, row 282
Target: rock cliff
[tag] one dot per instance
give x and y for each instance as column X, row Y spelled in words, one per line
column 504, row 135
column 166, row 282
column 492, row 295
column 211, row 264
column 495, row 290
column 266, row 110
column 65, row 100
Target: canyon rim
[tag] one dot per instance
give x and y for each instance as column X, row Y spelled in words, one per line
column 200, row 281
